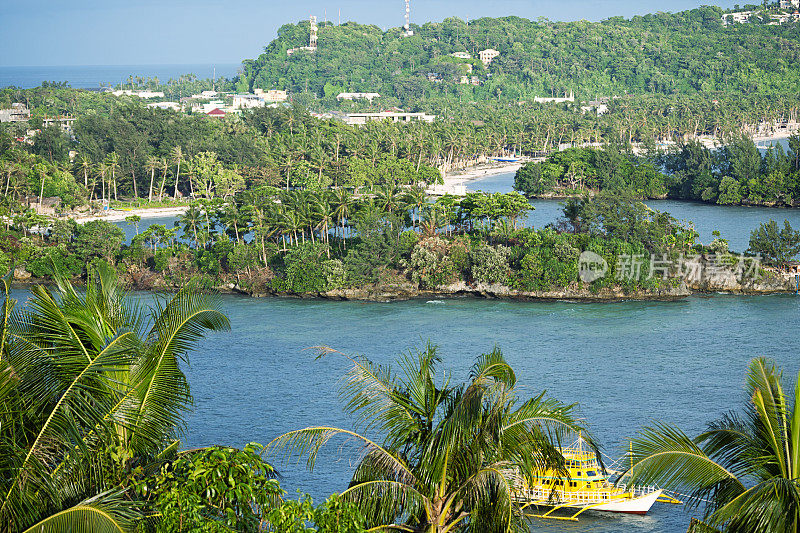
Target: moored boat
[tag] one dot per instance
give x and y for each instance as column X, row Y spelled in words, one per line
column 584, row 485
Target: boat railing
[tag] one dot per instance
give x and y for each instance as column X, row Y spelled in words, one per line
column 638, row 490
column 584, row 497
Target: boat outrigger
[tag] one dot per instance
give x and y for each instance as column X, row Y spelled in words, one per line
column 587, row 487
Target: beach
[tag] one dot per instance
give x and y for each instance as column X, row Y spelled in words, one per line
column 118, row 215
column 455, row 183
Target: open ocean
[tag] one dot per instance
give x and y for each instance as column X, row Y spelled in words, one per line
column 94, row 76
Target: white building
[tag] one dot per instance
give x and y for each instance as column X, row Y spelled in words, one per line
column 357, row 96
column 63, row 122
column 739, row 17
column 789, row 4
column 18, row 112
column 359, row 119
column 488, row 55
column 140, row 94
column 247, row 101
column 272, row 96
column 556, row 100
column 205, row 95
column 462, row 55
column 174, row 106
column 208, row 106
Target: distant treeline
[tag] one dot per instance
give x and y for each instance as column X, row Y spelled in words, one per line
column 737, row 173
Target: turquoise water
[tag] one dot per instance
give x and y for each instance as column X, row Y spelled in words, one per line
column 625, row 364
column 733, row 222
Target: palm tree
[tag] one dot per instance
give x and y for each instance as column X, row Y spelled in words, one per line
column 82, row 375
column 177, row 158
column 112, row 164
column 416, row 197
column 323, row 213
column 8, row 168
column 745, row 467
column 85, row 163
column 342, row 203
column 165, row 164
column 448, row 451
column 189, row 220
column 152, row 164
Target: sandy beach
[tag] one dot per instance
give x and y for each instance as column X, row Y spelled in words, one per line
column 455, row 183
column 118, row 215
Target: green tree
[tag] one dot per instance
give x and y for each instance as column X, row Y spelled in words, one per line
column 66, row 461
column 447, row 450
column 744, row 470
column 777, row 246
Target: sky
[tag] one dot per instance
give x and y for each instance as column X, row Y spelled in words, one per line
column 139, row 32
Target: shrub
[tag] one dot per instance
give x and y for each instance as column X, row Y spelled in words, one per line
column 430, row 265
column 408, row 240
column 489, row 265
column 305, row 271
column 335, row 274
column 54, row 259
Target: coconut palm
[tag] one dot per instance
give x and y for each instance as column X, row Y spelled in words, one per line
column 112, row 165
column 84, row 163
column 447, row 450
column 90, row 385
column 189, row 221
column 177, row 158
column 151, row 165
column 744, row 470
column 342, row 202
column 416, row 197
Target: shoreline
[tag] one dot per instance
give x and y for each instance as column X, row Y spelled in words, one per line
column 455, row 183
column 119, row 215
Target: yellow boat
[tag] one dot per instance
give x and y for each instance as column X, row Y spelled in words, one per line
column 587, row 487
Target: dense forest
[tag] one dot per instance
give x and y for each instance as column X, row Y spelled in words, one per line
column 737, row 173
column 663, row 53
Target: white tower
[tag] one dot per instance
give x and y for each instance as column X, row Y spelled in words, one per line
column 407, row 26
column 313, row 40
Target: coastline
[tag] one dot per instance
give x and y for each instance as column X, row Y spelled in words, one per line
column 455, row 182
column 119, row 215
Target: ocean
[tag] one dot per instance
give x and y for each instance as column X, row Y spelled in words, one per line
column 95, row 76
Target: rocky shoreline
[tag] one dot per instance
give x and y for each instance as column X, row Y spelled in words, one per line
column 402, row 289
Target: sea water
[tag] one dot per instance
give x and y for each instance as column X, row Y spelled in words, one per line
column 624, row 364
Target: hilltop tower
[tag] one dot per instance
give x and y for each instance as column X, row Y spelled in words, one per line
column 312, row 43
column 407, row 27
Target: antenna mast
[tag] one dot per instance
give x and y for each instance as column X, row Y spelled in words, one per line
column 312, row 43
column 407, row 27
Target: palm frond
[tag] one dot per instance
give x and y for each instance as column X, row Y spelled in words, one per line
column 370, row 393
column 104, row 513
column 310, row 440
column 161, row 391
column 384, row 502
column 768, row 507
column 664, row 455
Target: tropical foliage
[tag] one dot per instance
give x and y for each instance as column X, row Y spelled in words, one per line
column 744, row 471
column 776, row 246
column 91, row 394
column 446, row 451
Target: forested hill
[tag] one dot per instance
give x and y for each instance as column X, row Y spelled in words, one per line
column 681, row 53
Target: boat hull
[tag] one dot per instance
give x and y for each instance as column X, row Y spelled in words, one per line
column 640, row 505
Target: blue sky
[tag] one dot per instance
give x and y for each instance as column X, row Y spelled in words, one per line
column 117, row 32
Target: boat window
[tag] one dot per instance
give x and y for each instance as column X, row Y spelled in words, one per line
column 580, row 473
column 591, row 473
